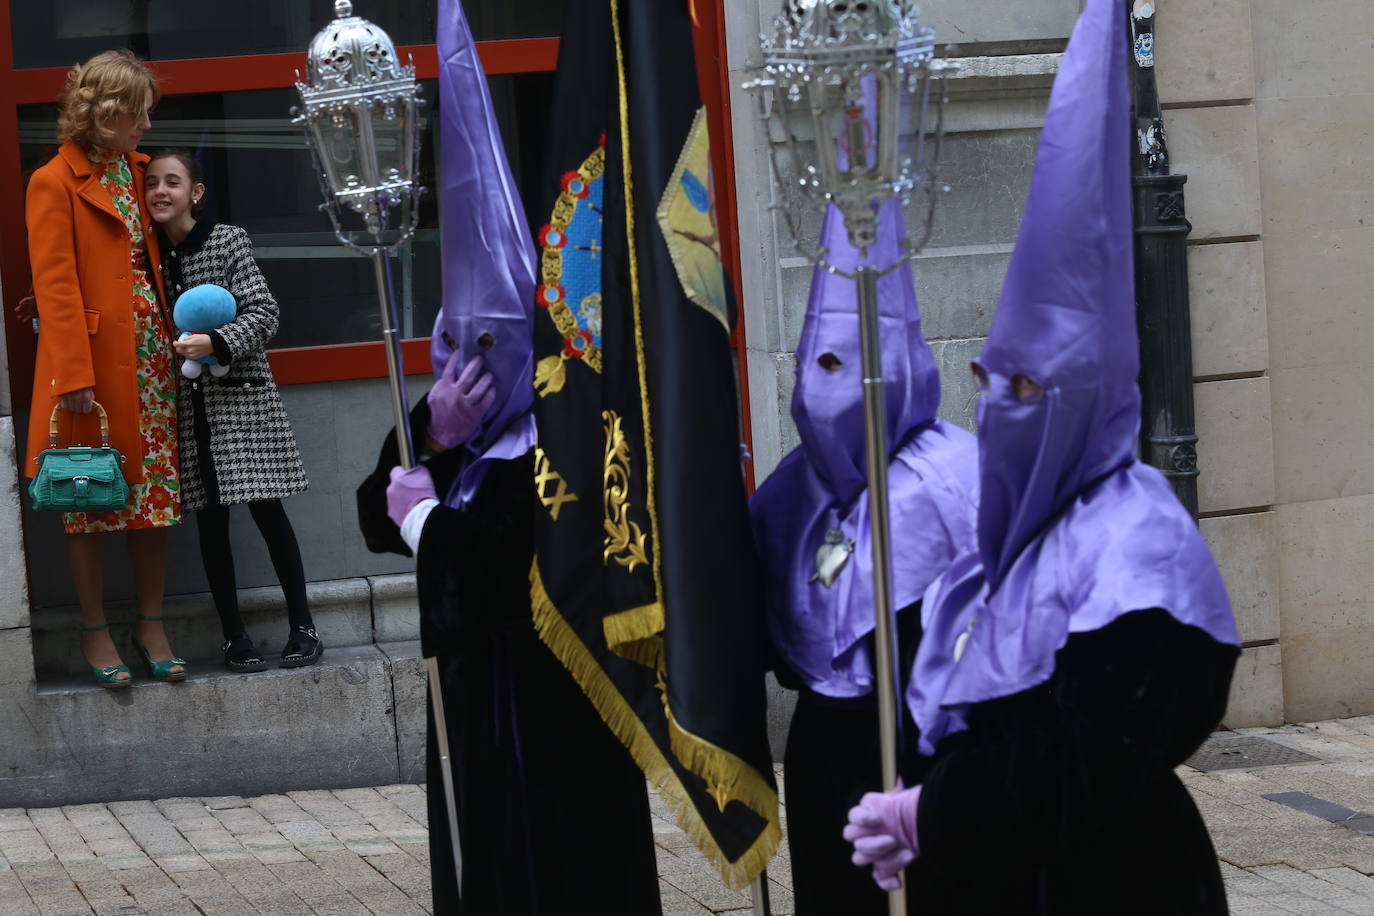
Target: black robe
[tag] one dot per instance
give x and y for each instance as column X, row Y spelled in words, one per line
column 1062, row 799
column 832, row 758
column 553, row 813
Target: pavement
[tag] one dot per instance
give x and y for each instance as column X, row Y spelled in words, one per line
column 364, row 851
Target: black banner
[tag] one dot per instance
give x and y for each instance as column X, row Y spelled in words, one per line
column 645, row 578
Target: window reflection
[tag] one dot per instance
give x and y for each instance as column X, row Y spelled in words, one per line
column 259, row 175
column 58, row 33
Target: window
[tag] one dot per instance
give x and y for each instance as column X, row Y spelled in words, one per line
column 57, row 33
column 227, row 77
column 259, row 175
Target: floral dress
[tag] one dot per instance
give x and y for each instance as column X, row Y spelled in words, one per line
column 156, row 502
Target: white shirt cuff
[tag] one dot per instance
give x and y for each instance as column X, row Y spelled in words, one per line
column 414, row 524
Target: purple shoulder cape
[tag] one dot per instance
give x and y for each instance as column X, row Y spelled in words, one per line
column 819, row 491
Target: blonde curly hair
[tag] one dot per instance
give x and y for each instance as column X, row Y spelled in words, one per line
column 111, row 84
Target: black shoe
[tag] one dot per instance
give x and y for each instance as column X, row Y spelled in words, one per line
column 240, row 655
column 303, row 647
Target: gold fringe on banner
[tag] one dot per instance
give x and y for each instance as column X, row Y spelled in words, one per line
column 717, row 766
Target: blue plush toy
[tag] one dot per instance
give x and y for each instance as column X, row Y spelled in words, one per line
column 199, row 310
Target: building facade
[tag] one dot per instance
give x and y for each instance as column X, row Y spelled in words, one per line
column 1268, row 106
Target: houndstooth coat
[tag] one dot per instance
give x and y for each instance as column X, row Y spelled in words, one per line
column 236, row 442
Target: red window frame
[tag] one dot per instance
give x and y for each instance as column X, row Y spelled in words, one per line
column 300, row 365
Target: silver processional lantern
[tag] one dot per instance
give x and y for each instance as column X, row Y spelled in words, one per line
column 848, row 91
column 358, row 109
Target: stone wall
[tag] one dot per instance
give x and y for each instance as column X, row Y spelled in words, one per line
column 1314, row 111
column 1206, row 82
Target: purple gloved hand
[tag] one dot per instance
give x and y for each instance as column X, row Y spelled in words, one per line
column 882, row 828
column 407, row 488
column 458, row 401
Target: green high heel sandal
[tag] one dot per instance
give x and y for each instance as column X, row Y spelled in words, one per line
column 108, row 676
column 158, row 671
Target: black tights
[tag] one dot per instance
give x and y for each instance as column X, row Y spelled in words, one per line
column 277, row 533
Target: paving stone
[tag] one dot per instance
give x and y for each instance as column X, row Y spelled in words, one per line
column 120, row 809
column 224, row 802
column 302, row 828
column 74, row 855
column 1302, row 905
column 1356, row 904
column 1254, row 906
column 1251, row 885
column 707, row 890
column 676, row 903
column 62, row 905
column 102, row 888
column 412, row 834
column 239, row 821
column 1299, row 881
column 45, row 883
column 1348, row 878
column 180, row 863
column 127, row 861
column 414, row 882
column 339, row 905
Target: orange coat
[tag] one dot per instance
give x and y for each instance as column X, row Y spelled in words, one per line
column 79, row 254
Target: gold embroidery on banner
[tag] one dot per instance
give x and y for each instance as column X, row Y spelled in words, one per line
column 551, row 371
column 563, row 319
column 625, row 543
column 550, row 374
column 543, row 475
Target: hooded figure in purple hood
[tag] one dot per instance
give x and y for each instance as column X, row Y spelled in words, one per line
column 811, row 523
column 553, row 814
column 1084, row 648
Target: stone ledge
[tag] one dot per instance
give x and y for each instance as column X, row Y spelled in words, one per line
column 331, row 725
column 342, row 609
column 409, row 679
column 395, row 613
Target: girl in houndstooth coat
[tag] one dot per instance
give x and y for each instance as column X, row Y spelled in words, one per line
column 237, row 446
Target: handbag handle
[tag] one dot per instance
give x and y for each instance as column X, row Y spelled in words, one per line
column 104, row 425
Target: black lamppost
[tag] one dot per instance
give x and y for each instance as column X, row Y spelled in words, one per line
column 1168, row 432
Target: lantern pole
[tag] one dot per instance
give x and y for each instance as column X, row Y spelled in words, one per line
column 352, row 77
column 876, row 452
column 391, row 339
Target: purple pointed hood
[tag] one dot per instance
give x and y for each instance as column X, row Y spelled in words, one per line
column 827, row 403
column 488, row 254
column 1073, row 532
column 1066, row 318
column 820, row 488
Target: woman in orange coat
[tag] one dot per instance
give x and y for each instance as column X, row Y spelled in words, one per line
column 105, row 337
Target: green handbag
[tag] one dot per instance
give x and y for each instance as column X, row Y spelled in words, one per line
column 79, row 478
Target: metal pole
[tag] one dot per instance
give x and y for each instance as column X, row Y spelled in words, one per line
column 884, row 630
column 400, row 405
column 436, row 695
column 1168, row 429
column 758, row 893
column 391, row 339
